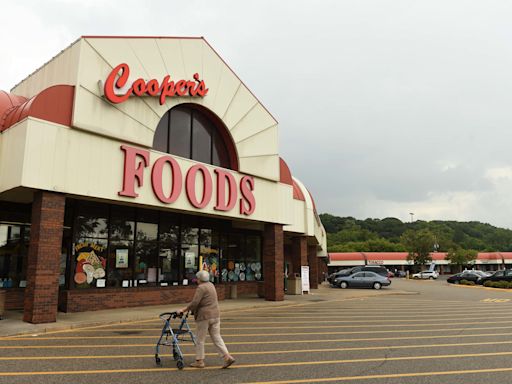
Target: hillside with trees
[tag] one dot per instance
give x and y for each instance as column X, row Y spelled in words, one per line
column 347, row 234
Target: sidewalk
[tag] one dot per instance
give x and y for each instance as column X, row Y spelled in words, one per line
column 12, row 324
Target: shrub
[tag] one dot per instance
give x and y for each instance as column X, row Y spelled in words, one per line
column 467, row 282
column 488, row 283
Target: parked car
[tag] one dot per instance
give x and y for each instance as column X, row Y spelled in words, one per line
column 363, row 279
column 431, row 275
column 350, row 271
column 466, row 275
column 399, row 273
column 501, row 275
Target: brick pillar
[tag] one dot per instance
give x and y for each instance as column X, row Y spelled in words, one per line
column 299, row 253
column 313, row 267
column 42, row 291
column 273, row 259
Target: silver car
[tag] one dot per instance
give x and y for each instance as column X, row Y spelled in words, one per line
column 362, row 280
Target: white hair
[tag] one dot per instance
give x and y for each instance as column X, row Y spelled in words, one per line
column 203, row 276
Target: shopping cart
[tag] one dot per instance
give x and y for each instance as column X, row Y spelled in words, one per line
column 171, row 337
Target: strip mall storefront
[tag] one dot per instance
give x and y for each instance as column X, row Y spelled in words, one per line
column 485, row 261
column 128, row 164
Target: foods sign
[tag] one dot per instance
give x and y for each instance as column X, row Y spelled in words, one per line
column 229, row 192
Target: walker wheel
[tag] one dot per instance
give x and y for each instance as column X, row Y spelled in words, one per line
column 180, row 364
column 157, row 360
column 176, row 356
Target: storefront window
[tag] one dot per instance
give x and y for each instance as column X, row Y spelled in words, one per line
column 129, row 247
column 13, row 256
column 191, row 133
column 120, row 261
column 146, row 262
column 209, row 257
column 253, row 270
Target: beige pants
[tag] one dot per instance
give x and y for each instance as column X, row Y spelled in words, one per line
column 211, row 326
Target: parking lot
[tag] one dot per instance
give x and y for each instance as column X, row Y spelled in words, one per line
column 442, row 334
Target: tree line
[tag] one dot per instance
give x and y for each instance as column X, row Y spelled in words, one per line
column 461, row 240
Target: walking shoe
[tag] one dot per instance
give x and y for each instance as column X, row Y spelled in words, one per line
column 227, row 362
column 197, row 364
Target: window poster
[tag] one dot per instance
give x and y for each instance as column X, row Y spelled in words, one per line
column 121, row 258
column 190, row 260
column 90, row 265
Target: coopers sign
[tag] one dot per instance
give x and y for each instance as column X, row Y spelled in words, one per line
column 118, row 88
column 229, row 192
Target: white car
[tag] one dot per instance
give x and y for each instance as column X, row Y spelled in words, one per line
column 426, row 275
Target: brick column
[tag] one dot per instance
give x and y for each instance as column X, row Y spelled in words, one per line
column 42, row 291
column 299, row 253
column 313, row 267
column 273, row 259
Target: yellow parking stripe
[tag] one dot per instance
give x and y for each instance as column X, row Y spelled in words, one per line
column 253, row 342
column 229, row 321
column 260, row 334
column 258, row 365
column 224, row 328
column 386, row 376
column 268, row 352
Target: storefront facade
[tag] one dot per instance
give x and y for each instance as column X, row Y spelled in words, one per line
column 127, row 164
column 485, row 261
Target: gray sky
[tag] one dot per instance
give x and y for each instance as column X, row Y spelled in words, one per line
column 385, row 107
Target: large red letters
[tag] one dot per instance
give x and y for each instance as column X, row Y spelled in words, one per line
column 133, row 172
column 118, row 79
column 227, row 189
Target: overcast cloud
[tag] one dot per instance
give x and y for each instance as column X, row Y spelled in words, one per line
column 385, row 107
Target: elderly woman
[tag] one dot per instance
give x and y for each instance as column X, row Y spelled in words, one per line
column 205, row 308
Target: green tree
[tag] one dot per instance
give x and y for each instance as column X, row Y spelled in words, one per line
column 461, row 257
column 419, row 244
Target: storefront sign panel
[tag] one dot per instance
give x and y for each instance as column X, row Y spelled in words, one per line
column 137, row 160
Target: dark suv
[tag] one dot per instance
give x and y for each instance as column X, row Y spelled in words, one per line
column 350, row 271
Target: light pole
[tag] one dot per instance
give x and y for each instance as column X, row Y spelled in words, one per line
column 412, row 216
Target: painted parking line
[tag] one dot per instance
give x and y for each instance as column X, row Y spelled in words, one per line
column 285, row 334
column 369, row 326
column 267, row 352
column 456, row 336
column 388, row 376
column 266, row 365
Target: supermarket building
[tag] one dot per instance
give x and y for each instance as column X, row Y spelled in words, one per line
column 129, row 163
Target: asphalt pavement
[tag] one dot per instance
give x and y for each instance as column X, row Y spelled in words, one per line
column 442, row 334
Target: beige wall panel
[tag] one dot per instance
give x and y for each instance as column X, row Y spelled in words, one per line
column 263, row 166
column 117, row 51
column 72, row 161
column 257, row 120
column 298, row 224
column 263, row 143
column 192, row 50
column 308, row 210
column 114, row 122
column 12, row 150
column 62, row 69
column 212, row 72
column 241, row 105
column 225, row 93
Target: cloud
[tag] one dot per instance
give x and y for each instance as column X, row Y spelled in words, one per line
column 385, row 107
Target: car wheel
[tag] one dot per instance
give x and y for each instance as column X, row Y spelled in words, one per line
column 343, row 285
column 456, row 282
column 431, row 278
column 377, row 285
